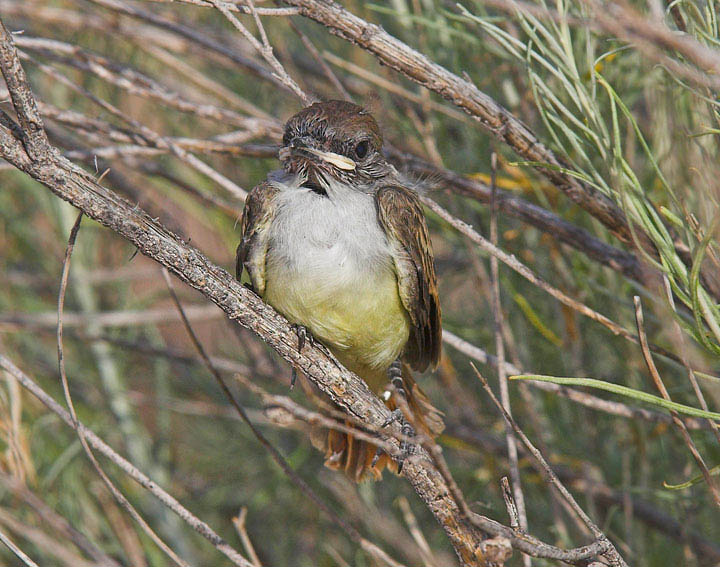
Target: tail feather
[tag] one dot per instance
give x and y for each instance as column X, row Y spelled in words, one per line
column 354, row 457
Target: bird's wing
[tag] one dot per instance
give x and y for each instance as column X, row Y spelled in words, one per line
column 257, row 215
column 400, row 215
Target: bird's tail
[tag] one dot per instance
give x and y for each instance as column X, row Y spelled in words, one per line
column 345, row 452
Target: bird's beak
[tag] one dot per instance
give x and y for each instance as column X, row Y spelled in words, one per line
column 339, row 161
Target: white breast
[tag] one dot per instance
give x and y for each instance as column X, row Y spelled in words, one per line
column 336, row 236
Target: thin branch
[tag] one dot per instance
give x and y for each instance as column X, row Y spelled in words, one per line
column 122, row 501
column 264, row 48
column 239, row 523
column 19, row 553
column 56, row 550
column 239, row 6
column 498, row 330
column 110, row 318
column 382, row 82
column 416, row 532
column 332, row 77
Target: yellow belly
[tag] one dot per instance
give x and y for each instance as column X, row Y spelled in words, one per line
column 362, row 320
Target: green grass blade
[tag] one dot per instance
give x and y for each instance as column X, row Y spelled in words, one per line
column 623, row 391
column 693, row 481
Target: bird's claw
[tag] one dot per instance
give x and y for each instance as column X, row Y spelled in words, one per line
column 396, row 416
column 407, row 448
column 303, row 336
column 306, row 337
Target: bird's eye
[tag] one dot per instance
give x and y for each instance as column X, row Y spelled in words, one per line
column 286, row 139
column 362, row 148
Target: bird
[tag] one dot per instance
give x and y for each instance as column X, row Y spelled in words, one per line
column 337, row 242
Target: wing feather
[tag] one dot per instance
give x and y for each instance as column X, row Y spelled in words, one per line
column 401, row 216
column 251, row 252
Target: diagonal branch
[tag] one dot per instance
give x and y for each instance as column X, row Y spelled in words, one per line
column 19, row 553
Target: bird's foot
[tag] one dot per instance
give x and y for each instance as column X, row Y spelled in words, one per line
column 306, row 337
column 407, row 448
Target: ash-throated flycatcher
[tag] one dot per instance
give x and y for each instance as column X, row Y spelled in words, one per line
column 339, row 246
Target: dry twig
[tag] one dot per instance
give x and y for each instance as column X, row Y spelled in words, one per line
column 498, row 319
column 263, row 47
column 239, row 523
column 121, row 499
column 19, row 553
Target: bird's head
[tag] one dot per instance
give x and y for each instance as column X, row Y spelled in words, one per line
column 334, row 140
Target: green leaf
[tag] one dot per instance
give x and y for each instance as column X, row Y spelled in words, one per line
column 535, row 320
column 672, row 217
column 695, row 480
column 623, row 391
